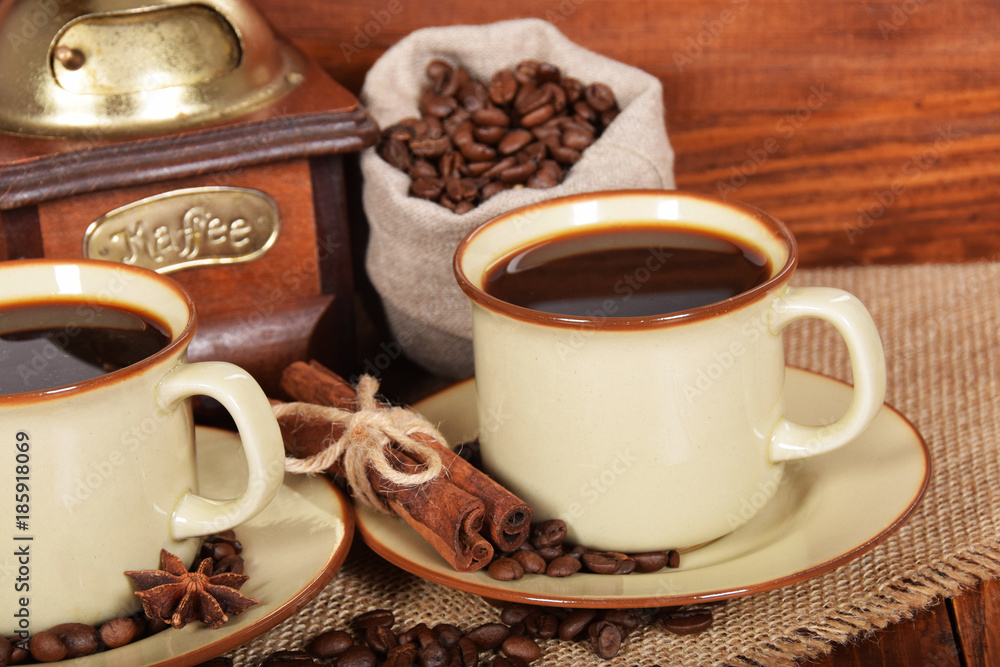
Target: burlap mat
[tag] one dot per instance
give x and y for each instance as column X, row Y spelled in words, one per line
column 941, row 330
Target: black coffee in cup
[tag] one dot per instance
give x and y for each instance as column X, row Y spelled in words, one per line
column 637, row 271
column 44, row 346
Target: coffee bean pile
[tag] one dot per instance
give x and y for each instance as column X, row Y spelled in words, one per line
column 546, row 552
column 511, row 642
column 524, row 128
column 73, row 640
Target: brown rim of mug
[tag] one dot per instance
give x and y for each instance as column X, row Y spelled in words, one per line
column 773, row 225
column 177, row 342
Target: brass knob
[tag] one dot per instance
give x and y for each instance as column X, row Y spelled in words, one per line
column 71, row 59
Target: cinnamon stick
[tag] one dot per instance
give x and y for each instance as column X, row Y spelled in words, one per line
column 447, row 517
column 508, row 518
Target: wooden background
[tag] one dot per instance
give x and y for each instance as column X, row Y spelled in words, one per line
column 871, row 128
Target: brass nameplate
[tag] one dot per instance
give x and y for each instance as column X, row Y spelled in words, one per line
column 184, row 228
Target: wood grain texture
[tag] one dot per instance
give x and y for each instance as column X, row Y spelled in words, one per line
column 871, row 128
column 333, row 255
column 20, row 234
column 975, row 616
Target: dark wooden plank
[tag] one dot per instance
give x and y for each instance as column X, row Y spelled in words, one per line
column 976, row 617
column 925, row 640
column 869, row 127
column 20, row 234
column 333, row 252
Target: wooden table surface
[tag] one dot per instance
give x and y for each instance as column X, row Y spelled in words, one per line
column 871, row 128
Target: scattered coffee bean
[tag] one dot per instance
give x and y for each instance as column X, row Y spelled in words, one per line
column 520, row 646
column 506, row 569
column 231, row 563
column 330, row 644
column 374, row 618
column 6, row 650
column 530, row 561
column 221, row 550
column 380, row 639
column 488, row 636
column 651, row 561
column 466, row 122
column 468, row 652
column 403, row 655
column 118, row 632
column 47, row 647
column 357, row 656
column 447, row 634
column 433, row 655
column 551, row 533
column 19, row 654
column 79, row 638
column 563, row 566
column 626, row 619
column 549, row 554
column 424, row 635
column 606, row 638
column 219, row 545
column 575, row 623
column 541, row 624
column 688, row 624
column 603, row 562
column 514, row 614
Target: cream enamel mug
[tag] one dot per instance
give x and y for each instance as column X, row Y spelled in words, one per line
column 98, row 475
column 661, row 431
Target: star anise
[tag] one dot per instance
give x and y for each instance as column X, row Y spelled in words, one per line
column 178, row 597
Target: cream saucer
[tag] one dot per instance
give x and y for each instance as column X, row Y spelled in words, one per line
column 292, row 550
column 828, row 510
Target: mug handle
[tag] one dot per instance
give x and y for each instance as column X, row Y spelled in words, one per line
column 790, row 440
column 240, row 394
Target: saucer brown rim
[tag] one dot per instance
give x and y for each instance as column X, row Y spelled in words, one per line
column 172, row 349
column 495, row 591
column 486, row 300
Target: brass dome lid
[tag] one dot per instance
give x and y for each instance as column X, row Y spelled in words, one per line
column 106, row 68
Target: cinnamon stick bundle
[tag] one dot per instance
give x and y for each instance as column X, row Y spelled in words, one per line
column 449, row 511
column 508, row 518
column 447, row 518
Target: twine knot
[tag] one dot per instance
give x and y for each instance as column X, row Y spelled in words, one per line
column 368, row 438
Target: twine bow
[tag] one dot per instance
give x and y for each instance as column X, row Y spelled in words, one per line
column 367, row 440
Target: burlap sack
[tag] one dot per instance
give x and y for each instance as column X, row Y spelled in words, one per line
column 409, row 257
